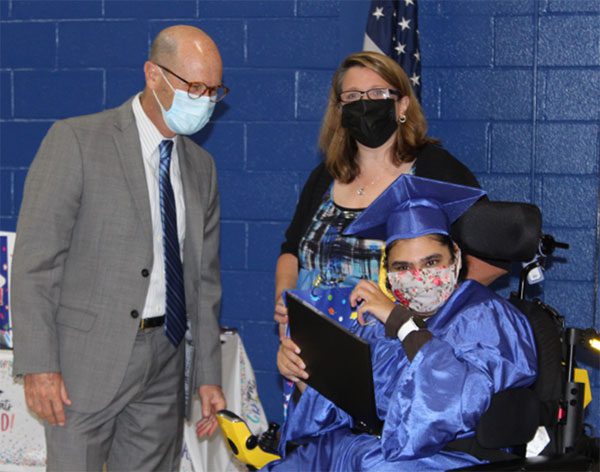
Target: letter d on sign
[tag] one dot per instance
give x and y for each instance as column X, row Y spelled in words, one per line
column 7, row 421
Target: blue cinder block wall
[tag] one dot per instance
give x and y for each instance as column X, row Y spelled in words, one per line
column 510, row 86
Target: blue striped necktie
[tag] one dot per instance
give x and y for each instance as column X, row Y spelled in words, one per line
column 175, row 316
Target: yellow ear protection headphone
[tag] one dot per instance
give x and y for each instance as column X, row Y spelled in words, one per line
column 382, row 279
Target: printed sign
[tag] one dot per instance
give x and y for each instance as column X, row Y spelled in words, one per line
column 22, row 442
column 7, row 242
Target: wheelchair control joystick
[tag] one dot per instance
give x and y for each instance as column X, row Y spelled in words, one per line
column 248, row 448
column 268, row 439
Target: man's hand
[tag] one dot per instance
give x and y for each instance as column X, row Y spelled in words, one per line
column 281, row 317
column 45, row 394
column 212, row 400
column 373, row 300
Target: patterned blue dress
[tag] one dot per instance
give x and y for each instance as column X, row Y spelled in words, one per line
column 329, row 258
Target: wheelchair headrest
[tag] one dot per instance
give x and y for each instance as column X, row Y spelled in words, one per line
column 507, row 231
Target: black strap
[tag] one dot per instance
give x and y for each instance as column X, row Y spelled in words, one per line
column 472, row 447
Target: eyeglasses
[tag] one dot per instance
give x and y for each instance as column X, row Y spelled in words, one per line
column 200, row 89
column 372, row 94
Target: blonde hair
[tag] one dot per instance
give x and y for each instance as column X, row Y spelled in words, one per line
column 336, row 143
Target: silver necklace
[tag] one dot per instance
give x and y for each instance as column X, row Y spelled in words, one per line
column 360, row 191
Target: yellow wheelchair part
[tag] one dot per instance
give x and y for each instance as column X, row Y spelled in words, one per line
column 244, row 445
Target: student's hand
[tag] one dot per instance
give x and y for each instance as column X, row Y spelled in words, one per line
column 212, row 400
column 373, row 301
column 289, row 363
column 45, row 394
column 281, row 317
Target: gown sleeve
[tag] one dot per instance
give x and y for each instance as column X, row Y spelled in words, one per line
column 442, row 394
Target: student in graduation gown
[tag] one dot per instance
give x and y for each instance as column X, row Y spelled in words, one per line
column 439, row 352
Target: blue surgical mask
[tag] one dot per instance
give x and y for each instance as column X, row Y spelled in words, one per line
column 186, row 115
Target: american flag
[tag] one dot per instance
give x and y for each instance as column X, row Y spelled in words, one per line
column 393, row 30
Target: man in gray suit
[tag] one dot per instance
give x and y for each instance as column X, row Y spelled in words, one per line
column 117, row 248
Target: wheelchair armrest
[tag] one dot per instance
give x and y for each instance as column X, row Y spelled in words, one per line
column 511, row 419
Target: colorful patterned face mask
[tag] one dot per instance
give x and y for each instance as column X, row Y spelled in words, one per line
column 425, row 290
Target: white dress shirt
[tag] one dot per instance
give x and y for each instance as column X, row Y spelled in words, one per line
column 150, row 138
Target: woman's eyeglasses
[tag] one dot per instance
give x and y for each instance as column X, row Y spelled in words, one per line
column 371, row 94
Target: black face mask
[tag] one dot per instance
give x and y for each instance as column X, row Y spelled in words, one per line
column 370, row 122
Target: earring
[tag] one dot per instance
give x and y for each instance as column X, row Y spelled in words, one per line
column 402, row 119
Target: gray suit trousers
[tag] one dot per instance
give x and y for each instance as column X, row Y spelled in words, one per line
column 141, row 429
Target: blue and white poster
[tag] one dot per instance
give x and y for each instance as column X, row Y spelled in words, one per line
column 7, row 242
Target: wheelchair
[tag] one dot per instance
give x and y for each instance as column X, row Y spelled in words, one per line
column 552, row 407
column 555, row 402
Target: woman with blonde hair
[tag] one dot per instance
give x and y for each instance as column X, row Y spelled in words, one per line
column 373, row 131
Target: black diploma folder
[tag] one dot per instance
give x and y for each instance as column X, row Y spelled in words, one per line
column 338, row 363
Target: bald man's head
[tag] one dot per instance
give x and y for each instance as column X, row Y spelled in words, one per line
column 163, row 47
column 180, row 57
column 182, row 42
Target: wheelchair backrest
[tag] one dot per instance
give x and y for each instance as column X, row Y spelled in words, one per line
column 511, row 231
column 547, row 331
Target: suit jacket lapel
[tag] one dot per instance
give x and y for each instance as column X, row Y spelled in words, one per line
column 194, row 220
column 127, row 141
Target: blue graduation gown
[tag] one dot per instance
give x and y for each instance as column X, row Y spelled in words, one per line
column 481, row 345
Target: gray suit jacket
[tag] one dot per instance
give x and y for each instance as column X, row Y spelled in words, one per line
column 83, row 238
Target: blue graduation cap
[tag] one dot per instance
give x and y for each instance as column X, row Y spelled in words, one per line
column 414, row 206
